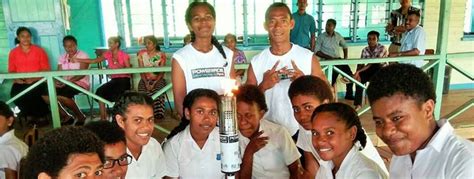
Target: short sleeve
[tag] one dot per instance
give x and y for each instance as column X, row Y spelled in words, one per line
column 312, row 25
column 420, row 40
column 171, row 159
column 8, row 159
column 342, row 42
column 11, row 62
column 288, row 148
column 44, row 62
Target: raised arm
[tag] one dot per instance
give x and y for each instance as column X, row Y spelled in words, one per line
column 316, row 69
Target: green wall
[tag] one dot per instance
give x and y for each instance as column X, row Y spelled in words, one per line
column 4, row 50
column 86, row 24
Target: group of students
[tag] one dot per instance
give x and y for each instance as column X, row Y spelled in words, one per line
column 285, row 104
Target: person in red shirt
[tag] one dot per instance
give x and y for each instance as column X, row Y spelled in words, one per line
column 25, row 58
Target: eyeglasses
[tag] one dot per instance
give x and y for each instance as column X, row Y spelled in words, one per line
column 122, row 161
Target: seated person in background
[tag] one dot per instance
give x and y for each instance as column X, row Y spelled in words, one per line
column 133, row 112
column 150, row 83
column 194, row 151
column 115, row 149
column 230, row 41
column 365, row 72
column 66, row 152
column 328, row 47
column 268, row 151
column 338, row 137
column 119, row 83
column 403, row 111
column 12, row 149
column 413, row 40
column 66, row 93
column 306, row 94
column 396, row 24
column 26, row 58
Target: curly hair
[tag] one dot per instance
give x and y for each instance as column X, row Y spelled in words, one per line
column 50, row 154
column 251, row 94
column 188, row 102
column 107, row 131
column 344, row 113
column 406, row 79
column 311, row 86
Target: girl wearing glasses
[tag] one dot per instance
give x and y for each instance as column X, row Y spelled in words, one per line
column 133, row 112
column 115, row 148
column 193, row 151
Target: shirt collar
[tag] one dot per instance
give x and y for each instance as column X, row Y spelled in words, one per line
column 441, row 136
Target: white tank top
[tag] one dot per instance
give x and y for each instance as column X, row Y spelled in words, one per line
column 280, row 110
column 204, row 70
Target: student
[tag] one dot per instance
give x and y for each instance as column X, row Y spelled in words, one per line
column 403, row 112
column 273, row 69
column 133, row 112
column 150, row 83
column 268, row 149
column 64, row 92
column 66, row 152
column 25, row 58
column 328, row 47
column 364, row 72
column 194, row 151
column 204, row 63
column 115, row 149
column 338, row 137
column 119, row 83
column 306, row 94
column 12, row 149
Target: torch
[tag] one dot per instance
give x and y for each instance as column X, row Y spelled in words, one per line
column 229, row 138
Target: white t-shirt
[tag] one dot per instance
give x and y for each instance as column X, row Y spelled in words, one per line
column 445, row 156
column 150, row 164
column 12, row 150
column 280, row 110
column 272, row 160
column 204, row 70
column 354, row 165
column 304, row 142
column 186, row 160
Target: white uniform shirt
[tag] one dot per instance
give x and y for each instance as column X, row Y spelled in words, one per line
column 445, row 156
column 272, row 161
column 150, row 164
column 280, row 110
column 204, row 70
column 304, row 142
column 415, row 38
column 12, row 150
column 354, row 165
column 186, row 160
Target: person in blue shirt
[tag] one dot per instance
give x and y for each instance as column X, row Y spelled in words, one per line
column 303, row 34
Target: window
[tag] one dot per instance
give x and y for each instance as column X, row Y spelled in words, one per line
column 133, row 19
column 469, row 19
column 371, row 15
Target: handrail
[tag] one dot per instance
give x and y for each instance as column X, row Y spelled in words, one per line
column 327, row 65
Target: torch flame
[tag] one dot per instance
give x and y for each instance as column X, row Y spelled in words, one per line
column 229, row 85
